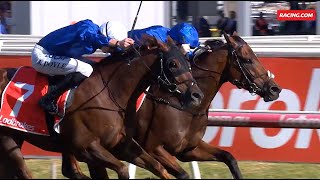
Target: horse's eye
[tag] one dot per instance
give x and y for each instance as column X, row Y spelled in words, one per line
column 173, row 64
column 247, row 60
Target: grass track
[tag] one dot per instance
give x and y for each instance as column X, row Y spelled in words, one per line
column 41, row 169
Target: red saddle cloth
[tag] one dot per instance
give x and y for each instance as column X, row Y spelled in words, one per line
column 19, row 102
column 141, row 99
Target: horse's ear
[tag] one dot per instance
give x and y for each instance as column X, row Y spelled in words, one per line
column 150, row 41
column 235, row 33
column 170, row 40
column 155, row 43
column 226, row 36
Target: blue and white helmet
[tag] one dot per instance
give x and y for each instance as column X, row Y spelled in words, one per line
column 185, row 33
column 114, row 29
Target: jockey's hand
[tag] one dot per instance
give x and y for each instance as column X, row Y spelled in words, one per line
column 126, row 43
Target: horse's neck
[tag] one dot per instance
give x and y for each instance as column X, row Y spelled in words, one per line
column 127, row 80
column 210, row 82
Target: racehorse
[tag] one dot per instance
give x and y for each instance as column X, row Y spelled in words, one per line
column 94, row 126
column 167, row 130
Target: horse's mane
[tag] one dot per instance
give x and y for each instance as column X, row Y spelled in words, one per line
column 117, row 56
column 214, row 43
column 239, row 39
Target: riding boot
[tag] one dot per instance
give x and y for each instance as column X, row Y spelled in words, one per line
column 48, row 101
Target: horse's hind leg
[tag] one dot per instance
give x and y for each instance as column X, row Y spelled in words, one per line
column 206, row 152
column 13, row 156
column 166, row 159
column 70, row 167
column 97, row 172
column 132, row 152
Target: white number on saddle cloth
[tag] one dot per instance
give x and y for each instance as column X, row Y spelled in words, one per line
column 17, row 106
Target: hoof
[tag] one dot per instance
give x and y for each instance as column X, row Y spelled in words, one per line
column 183, row 176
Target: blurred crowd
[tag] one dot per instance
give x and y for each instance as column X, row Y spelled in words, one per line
column 5, row 16
column 262, row 25
column 228, row 24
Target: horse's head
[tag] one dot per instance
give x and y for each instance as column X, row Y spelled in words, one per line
column 173, row 71
column 246, row 71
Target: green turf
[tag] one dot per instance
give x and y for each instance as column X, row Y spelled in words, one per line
column 41, row 169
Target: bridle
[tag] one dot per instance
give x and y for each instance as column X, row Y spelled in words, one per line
column 249, row 79
column 171, row 87
column 162, row 77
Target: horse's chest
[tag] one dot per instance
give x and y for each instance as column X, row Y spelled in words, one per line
column 179, row 141
column 195, row 133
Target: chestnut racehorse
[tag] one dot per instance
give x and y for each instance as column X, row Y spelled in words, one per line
column 167, row 130
column 95, row 125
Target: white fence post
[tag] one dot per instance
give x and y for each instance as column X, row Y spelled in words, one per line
column 132, row 171
column 53, row 169
column 193, row 166
column 195, row 170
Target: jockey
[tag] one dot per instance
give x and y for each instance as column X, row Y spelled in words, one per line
column 184, row 34
column 60, row 53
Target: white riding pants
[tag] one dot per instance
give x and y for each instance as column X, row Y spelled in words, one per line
column 46, row 63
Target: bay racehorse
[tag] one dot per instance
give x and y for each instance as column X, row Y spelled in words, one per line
column 94, row 126
column 167, row 130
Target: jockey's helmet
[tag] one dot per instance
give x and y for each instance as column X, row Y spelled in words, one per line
column 185, row 33
column 114, row 29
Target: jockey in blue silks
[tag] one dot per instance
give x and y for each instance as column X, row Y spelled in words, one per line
column 61, row 53
column 184, row 34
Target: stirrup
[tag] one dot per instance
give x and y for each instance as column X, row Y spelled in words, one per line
column 53, row 112
column 45, row 106
column 56, row 112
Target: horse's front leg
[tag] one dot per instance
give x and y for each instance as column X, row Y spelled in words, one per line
column 206, row 152
column 132, row 152
column 169, row 162
column 70, row 167
column 96, row 155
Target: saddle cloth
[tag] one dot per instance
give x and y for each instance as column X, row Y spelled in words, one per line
column 19, row 103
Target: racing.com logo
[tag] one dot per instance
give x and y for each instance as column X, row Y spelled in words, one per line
column 296, row 15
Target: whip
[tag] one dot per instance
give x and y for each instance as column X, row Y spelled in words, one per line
column 135, row 19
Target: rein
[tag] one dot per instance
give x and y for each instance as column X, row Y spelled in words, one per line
column 110, row 94
column 166, row 102
column 106, row 83
column 252, row 86
column 206, row 48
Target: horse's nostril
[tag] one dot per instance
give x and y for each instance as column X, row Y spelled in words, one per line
column 196, row 95
column 275, row 89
